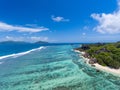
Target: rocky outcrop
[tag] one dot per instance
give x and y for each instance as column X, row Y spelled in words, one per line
column 91, row 60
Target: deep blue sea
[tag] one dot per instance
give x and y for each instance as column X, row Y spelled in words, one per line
column 25, row 66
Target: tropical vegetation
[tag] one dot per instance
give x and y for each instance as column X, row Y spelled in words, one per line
column 106, row 54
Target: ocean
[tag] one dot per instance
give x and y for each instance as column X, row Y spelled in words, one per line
column 25, row 66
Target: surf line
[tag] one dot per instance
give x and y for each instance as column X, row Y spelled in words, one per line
column 22, row 53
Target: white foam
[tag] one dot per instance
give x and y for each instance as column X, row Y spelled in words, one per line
column 22, row 53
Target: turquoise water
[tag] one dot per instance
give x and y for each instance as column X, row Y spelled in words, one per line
column 53, row 68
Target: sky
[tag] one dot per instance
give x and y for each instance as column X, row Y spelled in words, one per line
column 60, row 20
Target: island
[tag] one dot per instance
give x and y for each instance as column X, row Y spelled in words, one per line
column 22, row 42
column 41, row 42
column 102, row 55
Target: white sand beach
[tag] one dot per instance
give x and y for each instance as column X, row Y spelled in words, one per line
column 107, row 69
column 100, row 67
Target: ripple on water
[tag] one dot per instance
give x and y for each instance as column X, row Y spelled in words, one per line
column 55, row 68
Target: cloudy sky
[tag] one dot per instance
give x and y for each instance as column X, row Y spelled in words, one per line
column 60, row 20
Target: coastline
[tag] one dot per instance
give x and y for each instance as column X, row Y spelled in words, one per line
column 98, row 66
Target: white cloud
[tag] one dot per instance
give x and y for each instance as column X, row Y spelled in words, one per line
column 39, row 38
column 83, row 34
column 31, row 25
column 59, row 19
column 85, row 28
column 108, row 23
column 7, row 37
column 8, row 27
column 10, row 38
column 27, row 39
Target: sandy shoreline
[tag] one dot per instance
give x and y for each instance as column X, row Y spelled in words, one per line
column 100, row 67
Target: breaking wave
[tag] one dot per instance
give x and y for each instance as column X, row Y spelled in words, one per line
column 22, row 53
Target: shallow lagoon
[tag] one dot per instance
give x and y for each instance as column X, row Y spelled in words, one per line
column 53, row 68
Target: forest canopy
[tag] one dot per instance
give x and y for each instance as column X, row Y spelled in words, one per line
column 106, row 54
